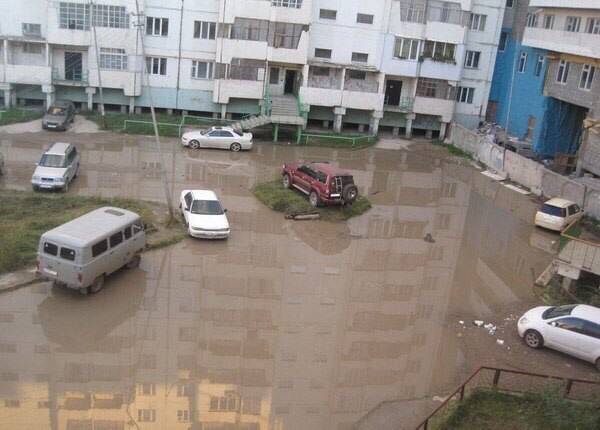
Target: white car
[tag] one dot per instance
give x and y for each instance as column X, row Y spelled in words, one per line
column 556, row 214
column 218, row 137
column 572, row 329
column 1, row 164
column 204, row 216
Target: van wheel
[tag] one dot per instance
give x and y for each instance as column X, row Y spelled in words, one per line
column 96, row 285
column 134, row 262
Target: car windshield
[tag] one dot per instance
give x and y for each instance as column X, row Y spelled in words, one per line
column 552, row 210
column 239, row 133
column 53, row 160
column 57, row 110
column 558, row 311
column 206, row 207
column 203, row 132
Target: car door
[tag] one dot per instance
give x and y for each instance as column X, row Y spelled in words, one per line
column 226, row 139
column 565, row 334
column 574, row 212
column 186, row 204
column 211, row 139
column 303, row 178
column 590, row 346
column 70, row 156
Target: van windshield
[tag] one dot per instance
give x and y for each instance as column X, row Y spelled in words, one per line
column 206, row 207
column 53, row 160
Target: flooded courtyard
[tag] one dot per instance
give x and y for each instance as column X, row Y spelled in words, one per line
column 287, row 325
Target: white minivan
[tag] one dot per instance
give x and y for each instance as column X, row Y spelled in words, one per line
column 82, row 252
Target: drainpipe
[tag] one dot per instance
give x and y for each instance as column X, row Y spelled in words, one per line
column 179, row 57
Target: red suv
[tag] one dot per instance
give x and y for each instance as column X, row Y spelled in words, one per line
column 323, row 182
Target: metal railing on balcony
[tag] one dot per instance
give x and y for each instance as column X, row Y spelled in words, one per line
column 577, row 252
column 404, row 105
column 72, row 75
column 514, row 381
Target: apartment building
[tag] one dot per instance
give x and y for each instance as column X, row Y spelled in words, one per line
column 403, row 65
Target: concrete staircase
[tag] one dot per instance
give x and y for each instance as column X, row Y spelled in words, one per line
column 284, row 110
column 251, row 122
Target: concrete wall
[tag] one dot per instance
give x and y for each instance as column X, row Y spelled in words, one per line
column 528, row 173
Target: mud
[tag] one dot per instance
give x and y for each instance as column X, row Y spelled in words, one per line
column 287, row 324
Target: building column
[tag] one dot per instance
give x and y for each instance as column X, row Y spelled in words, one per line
column 409, row 121
column 50, row 92
column 305, row 75
column 376, row 116
column 90, row 97
column 443, row 130
column 131, row 105
column 223, row 110
column 339, row 113
column 7, row 88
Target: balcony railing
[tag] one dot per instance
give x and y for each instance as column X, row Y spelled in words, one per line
column 405, row 104
column 73, row 75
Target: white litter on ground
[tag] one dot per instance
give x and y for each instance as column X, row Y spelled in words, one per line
column 478, row 323
column 499, row 341
column 517, row 189
column 462, row 322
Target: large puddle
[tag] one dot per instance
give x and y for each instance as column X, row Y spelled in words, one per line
column 286, row 325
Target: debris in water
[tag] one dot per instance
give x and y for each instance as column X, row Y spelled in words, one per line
column 303, row 215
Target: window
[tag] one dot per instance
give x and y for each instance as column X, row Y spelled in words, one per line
column 571, row 324
column 593, row 26
column 477, row 22
column 437, row 88
column 522, row 62
column 532, row 20
column 225, row 403
column 502, row 42
column 156, row 66
column 563, row 71
column 573, row 23
column 320, row 71
column 183, row 390
column 137, row 226
column 439, row 51
column 99, row 248
column 127, row 232
column 296, row 4
column 67, row 254
column 587, row 76
column 412, row 11
column 327, row 14
column 44, row 404
column 146, row 389
column 12, row 403
column 110, row 16
column 360, row 57
column 274, row 76
column 592, row 329
column 202, row 69
column 32, row 48
column 548, row 23
column 146, row 415
column 116, row 239
column 157, row 26
column 509, row 3
column 363, row 18
column 406, row 49
column 539, row 65
column 31, row 29
column 113, row 58
column 74, row 16
column 472, row 59
column 205, row 30
column 285, row 35
column 50, row 248
column 465, row 95
column 357, row 74
column 251, row 405
column 183, row 415
column 322, row 53
column 250, row 29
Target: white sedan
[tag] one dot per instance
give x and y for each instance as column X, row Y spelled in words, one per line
column 204, row 216
column 218, row 137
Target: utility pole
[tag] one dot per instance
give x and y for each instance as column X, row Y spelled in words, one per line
column 140, row 27
column 98, row 65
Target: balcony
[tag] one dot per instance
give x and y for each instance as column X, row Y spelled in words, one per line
column 435, row 107
column 236, row 48
column 28, row 74
column 120, row 79
column 405, row 105
column 297, row 55
column 321, row 96
column 75, row 78
column 584, row 44
column 572, row 4
column 283, row 10
column 225, row 89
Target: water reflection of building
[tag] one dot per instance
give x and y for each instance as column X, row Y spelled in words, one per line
column 272, row 329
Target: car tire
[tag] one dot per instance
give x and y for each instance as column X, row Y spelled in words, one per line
column 66, row 187
column 349, row 193
column 97, row 285
column 598, row 364
column 533, row 339
column 35, row 188
column 314, row 199
column 235, row 147
column 76, row 172
column 134, row 262
column 194, row 144
column 287, row 181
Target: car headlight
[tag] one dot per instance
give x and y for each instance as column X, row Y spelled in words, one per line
column 523, row 320
column 36, row 178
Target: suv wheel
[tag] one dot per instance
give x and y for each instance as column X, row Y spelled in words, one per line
column 350, row 193
column 314, row 199
column 286, row 181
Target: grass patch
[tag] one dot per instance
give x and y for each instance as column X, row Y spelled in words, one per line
column 453, row 150
column 24, row 216
column 502, row 411
column 336, row 140
column 13, row 116
column 273, row 195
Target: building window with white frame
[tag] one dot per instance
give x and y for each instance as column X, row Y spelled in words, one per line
column 363, row 18
column 113, row 59
column 532, row 20
column 406, row 49
column 156, row 66
column 145, row 389
column 32, row 48
column 412, row 11
column 522, row 62
column 322, row 53
column 563, row 71
column 327, row 14
column 360, row 57
column 587, row 77
column 183, row 415
column 439, row 51
column 465, row 95
column 472, row 59
column 202, row 69
column 294, row 4
column 573, row 23
column 593, row 26
column 539, row 65
column 146, row 415
column 74, row 16
column 157, row 26
column 110, row 16
column 205, row 30
column 548, row 23
column 477, row 22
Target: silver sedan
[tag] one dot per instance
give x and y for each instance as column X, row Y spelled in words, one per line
column 218, row 137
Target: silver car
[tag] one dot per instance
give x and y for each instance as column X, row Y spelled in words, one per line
column 218, row 137
column 57, row 167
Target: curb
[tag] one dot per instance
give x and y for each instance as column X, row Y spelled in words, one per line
column 20, row 285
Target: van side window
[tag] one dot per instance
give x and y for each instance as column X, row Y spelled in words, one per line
column 137, row 226
column 115, row 239
column 50, row 248
column 67, row 254
column 99, row 247
column 127, row 232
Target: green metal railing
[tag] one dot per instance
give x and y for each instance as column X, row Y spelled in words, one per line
column 76, row 75
column 341, row 141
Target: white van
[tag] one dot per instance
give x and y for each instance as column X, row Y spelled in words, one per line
column 82, row 252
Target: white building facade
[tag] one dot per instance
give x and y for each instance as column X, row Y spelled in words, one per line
column 403, row 65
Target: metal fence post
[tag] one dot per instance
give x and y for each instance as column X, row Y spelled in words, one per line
column 568, row 387
column 496, row 377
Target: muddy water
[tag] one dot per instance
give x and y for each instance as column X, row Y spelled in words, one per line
column 286, row 325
